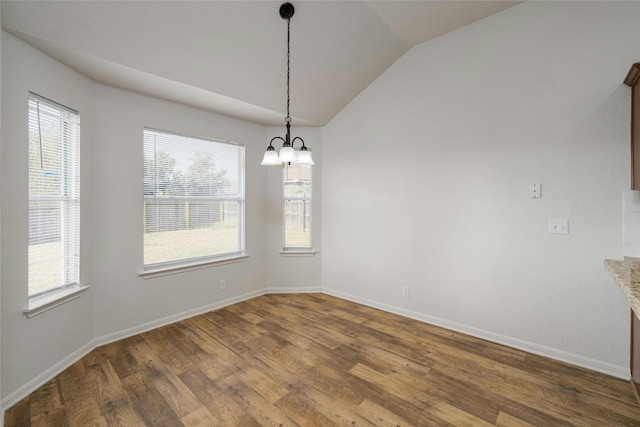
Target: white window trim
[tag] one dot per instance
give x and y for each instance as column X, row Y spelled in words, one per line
column 45, row 302
column 292, row 250
column 298, row 252
column 54, row 297
column 165, row 270
column 172, row 267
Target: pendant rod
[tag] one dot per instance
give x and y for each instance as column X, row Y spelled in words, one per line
column 288, row 119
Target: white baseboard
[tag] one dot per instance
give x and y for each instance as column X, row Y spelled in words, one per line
column 45, row 377
column 552, row 353
column 307, row 290
column 135, row 330
column 59, row 367
column 573, row 359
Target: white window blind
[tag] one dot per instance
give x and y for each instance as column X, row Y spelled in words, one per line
column 193, row 199
column 54, row 196
column 297, row 207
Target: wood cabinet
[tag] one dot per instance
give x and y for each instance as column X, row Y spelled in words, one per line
column 635, row 353
column 633, row 80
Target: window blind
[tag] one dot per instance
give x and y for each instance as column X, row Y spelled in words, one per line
column 193, row 199
column 54, row 196
column 297, row 207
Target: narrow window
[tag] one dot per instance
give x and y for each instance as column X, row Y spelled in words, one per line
column 193, row 200
column 297, row 207
column 54, row 196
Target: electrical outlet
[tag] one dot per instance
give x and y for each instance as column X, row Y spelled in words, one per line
column 534, row 191
column 406, row 292
column 223, row 284
column 559, row 226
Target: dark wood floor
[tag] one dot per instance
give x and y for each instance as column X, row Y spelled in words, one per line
column 315, row 360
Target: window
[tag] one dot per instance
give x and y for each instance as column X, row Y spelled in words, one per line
column 193, row 200
column 297, row 207
column 54, row 197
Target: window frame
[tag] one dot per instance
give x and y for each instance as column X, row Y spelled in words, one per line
column 297, row 250
column 186, row 264
column 69, row 196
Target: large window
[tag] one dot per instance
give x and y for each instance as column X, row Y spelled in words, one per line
column 193, row 200
column 297, row 207
column 54, row 196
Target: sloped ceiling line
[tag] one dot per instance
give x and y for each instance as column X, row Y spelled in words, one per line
column 228, row 56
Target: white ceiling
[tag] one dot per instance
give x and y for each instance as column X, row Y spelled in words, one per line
column 230, row 56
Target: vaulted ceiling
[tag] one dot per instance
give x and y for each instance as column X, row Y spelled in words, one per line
column 230, row 56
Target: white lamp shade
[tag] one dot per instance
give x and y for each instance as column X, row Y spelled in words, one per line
column 287, row 155
column 270, row 158
column 303, row 157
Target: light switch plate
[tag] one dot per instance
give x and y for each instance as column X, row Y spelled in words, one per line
column 534, row 191
column 559, row 226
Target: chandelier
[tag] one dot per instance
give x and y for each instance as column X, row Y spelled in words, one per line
column 287, row 153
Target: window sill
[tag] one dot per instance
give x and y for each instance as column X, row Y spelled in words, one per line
column 174, row 269
column 309, row 252
column 39, row 305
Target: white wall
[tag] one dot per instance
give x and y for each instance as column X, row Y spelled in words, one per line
column 294, row 273
column 125, row 300
column 119, row 302
column 426, row 175
column 31, row 346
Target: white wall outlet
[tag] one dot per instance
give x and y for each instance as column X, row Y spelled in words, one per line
column 223, row 284
column 559, row 226
column 534, row 191
column 406, row 292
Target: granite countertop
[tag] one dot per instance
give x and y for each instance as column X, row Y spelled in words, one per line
column 626, row 273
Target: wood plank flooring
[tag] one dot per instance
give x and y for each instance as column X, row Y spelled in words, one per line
column 315, row 360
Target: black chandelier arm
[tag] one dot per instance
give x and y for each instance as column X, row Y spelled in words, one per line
column 284, row 143
column 274, row 138
column 301, row 140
